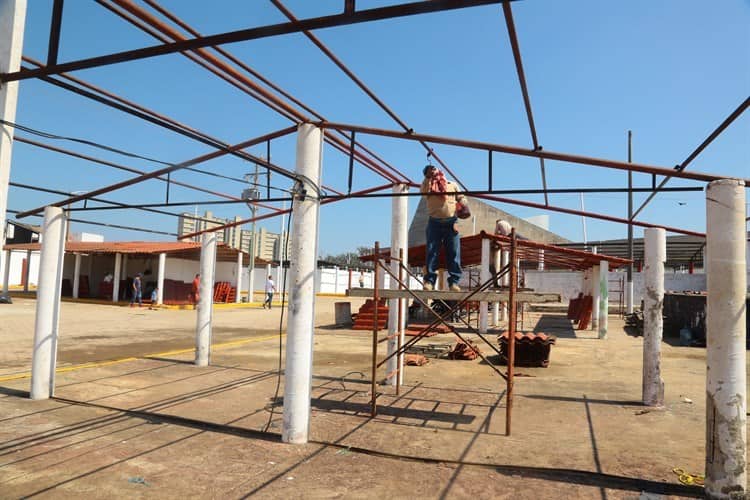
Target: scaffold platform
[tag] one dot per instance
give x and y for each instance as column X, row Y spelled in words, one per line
column 486, row 296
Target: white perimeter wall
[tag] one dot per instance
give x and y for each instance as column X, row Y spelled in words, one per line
column 568, row 283
column 330, row 280
column 16, row 268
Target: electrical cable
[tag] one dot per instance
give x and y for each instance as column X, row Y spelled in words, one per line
column 114, row 226
column 93, row 144
column 111, row 149
column 281, row 320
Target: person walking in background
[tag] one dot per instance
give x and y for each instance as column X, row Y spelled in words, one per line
column 154, row 298
column 195, row 290
column 270, row 288
column 441, row 227
column 137, row 291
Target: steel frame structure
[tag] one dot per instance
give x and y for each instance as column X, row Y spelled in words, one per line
column 174, row 42
column 341, row 136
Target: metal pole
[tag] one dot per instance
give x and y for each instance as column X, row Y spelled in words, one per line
column 726, row 385
column 603, row 298
column 629, row 288
column 583, row 220
column 302, row 278
column 484, row 276
column 402, row 309
column 46, row 325
column 513, row 316
column 281, row 251
column 251, row 264
column 376, row 299
column 655, row 241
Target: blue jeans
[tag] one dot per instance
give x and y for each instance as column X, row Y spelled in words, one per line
column 440, row 233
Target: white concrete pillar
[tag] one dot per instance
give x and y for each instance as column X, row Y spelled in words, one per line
column 6, row 272
column 726, row 391
column 540, row 266
column 399, row 241
column 629, row 297
column 116, row 278
column 484, row 275
column 27, row 278
column 505, row 282
column 595, row 281
column 497, row 263
column 76, row 275
column 160, row 278
column 206, row 300
column 603, row 298
column 268, row 272
column 12, row 19
column 46, row 324
column 238, row 283
column 303, row 255
column 655, row 253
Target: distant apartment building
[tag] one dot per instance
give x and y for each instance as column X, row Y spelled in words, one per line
column 267, row 244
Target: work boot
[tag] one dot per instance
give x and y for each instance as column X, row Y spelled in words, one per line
column 427, row 286
column 455, row 288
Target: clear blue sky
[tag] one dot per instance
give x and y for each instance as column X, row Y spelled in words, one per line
column 669, row 70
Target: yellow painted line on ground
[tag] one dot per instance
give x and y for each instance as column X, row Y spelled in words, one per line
column 99, row 364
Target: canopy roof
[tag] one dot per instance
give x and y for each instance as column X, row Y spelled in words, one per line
column 553, row 256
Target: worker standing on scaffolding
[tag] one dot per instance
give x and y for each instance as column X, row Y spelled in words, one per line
column 441, row 227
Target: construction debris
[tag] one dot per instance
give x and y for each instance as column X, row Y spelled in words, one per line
column 463, row 351
column 415, row 360
column 431, row 350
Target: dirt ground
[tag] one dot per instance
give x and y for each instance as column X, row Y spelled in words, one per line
column 133, row 417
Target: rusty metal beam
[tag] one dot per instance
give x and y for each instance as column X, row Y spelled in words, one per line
column 172, row 168
column 733, row 116
column 376, row 14
column 588, row 214
column 110, row 164
column 508, row 14
column 357, row 81
column 54, row 32
column 158, row 29
column 549, row 155
column 288, row 210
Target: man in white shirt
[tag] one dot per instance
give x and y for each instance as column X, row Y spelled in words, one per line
column 270, row 288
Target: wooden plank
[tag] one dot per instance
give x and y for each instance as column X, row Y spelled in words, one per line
column 489, row 296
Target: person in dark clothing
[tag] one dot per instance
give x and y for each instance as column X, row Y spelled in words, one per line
column 137, row 291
